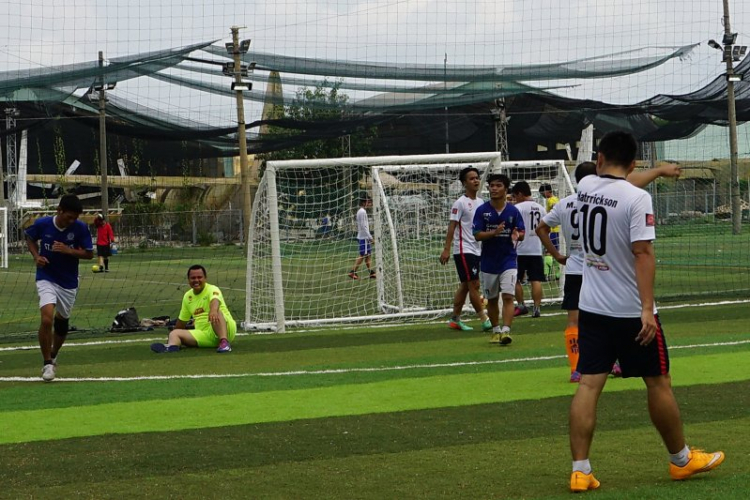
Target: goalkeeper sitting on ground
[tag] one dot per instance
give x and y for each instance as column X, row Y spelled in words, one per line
column 214, row 325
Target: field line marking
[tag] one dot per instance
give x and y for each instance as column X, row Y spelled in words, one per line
column 338, row 371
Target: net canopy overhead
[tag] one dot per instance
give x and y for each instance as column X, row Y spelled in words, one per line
column 387, row 92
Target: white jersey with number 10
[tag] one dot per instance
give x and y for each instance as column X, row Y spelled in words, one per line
column 612, row 214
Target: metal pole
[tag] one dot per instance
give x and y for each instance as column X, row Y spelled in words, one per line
column 103, row 139
column 734, row 180
column 445, row 96
column 247, row 197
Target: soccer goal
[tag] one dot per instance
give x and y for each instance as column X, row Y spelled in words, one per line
column 302, row 236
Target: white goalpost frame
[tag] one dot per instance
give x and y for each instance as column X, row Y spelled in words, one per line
column 382, row 221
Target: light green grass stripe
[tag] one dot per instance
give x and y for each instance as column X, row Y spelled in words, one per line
column 378, row 397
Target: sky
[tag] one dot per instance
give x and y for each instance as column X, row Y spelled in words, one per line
column 36, row 33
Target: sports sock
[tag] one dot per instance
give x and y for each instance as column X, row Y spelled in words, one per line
column 681, row 458
column 571, row 346
column 106, row 263
column 455, row 319
column 505, row 329
column 496, row 329
column 582, row 466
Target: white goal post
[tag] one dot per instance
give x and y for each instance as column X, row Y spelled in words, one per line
column 302, row 236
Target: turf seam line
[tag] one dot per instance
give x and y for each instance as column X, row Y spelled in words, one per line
column 336, row 371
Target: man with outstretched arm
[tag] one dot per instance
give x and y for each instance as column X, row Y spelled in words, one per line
column 617, row 312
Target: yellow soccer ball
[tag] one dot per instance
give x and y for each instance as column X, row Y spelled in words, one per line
column 95, row 269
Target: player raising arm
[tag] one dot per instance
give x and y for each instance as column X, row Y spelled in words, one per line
column 618, row 317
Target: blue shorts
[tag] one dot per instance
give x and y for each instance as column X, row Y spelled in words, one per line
column 364, row 247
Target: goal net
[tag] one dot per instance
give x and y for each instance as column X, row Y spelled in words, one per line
column 302, row 238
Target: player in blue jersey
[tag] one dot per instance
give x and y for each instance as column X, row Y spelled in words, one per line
column 57, row 243
column 499, row 225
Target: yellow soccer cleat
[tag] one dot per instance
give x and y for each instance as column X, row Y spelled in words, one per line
column 583, row 482
column 698, row 461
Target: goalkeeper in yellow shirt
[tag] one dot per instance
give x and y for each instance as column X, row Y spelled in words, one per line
column 214, row 325
column 551, row 201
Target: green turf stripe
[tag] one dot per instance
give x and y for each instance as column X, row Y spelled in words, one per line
column 455, row 441
column 381, row 397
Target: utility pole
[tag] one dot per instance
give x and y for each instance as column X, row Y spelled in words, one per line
column 237, row 49
column 734, row 181
column 103, row 138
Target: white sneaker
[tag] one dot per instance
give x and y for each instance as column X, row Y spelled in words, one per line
column 48, row 373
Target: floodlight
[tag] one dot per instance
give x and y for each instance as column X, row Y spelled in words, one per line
column 230, row 47
column 105, row 86
column 244, row 46
column 738, row 52
column 729, row 38
column 734, row 78
column 714, row 44
column 242, row 86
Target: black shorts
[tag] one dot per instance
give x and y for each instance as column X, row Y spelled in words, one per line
column 602, row 340
column 532, row 266
column 467, row 265
column 571, row 291
column 103, row 250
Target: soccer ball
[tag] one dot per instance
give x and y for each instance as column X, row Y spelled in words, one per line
column 95, row 269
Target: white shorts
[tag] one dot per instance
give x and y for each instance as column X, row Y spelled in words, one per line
column 494, row 284
column 52, row 293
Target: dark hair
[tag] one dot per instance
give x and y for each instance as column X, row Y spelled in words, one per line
column 521, row 187
column 363, row 200
column 464, row 172
column 584, row 170
column 70, row 203
column 618, row 148
column 195, row 267
column 543, row 188
column 499, row 177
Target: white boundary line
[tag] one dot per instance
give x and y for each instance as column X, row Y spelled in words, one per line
column 336, row 371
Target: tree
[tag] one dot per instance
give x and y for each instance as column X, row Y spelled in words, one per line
column 330, row 108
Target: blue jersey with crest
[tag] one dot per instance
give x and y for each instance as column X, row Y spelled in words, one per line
column 62, row 268
column 498, row 253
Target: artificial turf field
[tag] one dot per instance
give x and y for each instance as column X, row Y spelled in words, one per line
column 410, row 411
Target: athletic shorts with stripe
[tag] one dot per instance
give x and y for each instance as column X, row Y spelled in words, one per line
column 602, row 340
column 467, row 266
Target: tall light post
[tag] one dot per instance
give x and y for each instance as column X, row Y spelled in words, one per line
column 238, row 70
column 732, row 53
column 101, row 87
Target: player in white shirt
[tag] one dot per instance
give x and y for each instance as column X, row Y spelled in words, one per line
column 617, row 318
column 365, row 240
column 466, row 251
column 565, row 215
column 530, row 259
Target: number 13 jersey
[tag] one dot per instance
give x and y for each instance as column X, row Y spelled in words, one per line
column 612, row 214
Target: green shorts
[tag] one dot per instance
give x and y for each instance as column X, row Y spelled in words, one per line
column 206, row 337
